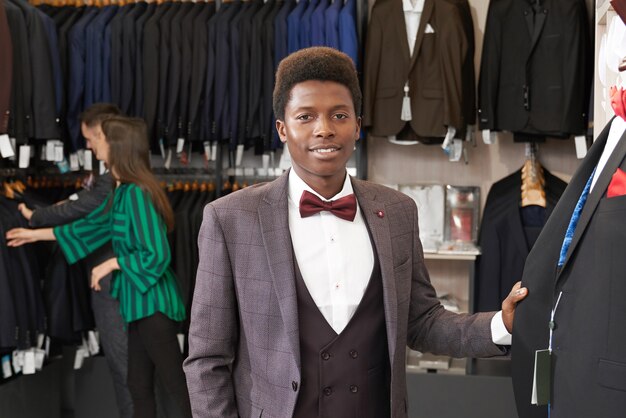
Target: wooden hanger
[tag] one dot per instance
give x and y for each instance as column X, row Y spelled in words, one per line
column 533, row 181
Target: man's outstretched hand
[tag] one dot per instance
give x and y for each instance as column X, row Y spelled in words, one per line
column 517, row 294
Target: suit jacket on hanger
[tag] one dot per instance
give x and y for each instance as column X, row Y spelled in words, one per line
column 535, row 78
column 434, row 72
column 589, row 342
column 6, row 69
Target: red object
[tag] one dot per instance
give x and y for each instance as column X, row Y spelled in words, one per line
column 618, row 101
column 620, row 8
column 380, row 214
column 344, row 208
column 617, row 187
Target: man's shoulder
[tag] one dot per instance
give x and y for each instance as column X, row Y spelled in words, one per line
column 248, row 198
column 382, row 193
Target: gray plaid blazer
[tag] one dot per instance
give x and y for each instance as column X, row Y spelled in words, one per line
column 244, row 354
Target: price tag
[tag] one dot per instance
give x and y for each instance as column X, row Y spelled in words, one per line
column 285, row 159
column 92, row 343
column 168, row 160
column 18, row 360
column 103, row 167
column 29, row 362
column 581, row 146
column 6, row 150
column 24, row 160
column 181, row 342
column 214, row 152
column 6, row 367
column 39, row 357
column 88, row 160
column 13, row 148
column 180, row 145
column 74, row 162
column 239, row 155
column 456, row 150
column 207, row 150
column 81, row 353
column 58, row 152
column 81, row 157
column 489, row 137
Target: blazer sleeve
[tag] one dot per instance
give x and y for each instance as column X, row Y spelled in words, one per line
column 433, row 329
column 371, row 69
column 489, row 73
column 82, row 237
column 214, row 327
column 71, row 210
column 151, row 257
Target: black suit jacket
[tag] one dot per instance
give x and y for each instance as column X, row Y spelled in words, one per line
column 151, row 70
column 198, row 72
column 129, row 59
column 117, row 55
column 6, row 69
column 266, row 112
column 165, row 50
column 503, row 240
column 589, row 342
column 187, row 67
column 139, row 29
column 535, row 79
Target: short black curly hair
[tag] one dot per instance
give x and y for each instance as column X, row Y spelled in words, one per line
column 315, row 63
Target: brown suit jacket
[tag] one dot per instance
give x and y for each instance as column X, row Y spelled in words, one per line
column 434, row 71
column 244, row 354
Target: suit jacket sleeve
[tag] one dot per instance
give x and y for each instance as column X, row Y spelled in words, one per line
column 433, row 329
column 88, row 201
column 214, row 327
column 489, row 73
column 372, row 62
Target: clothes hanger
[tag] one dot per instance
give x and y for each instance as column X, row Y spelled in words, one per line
column 533, row 193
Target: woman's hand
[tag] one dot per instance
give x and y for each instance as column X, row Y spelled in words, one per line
column 26, row 213
column 101, row 271
column 17, row 237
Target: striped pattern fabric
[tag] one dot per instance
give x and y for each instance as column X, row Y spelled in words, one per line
column 145, row 284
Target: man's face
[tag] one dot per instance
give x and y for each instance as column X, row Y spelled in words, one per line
column 95, row 141
column 320, row 129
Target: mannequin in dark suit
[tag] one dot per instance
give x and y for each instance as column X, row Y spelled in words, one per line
column 589, row 338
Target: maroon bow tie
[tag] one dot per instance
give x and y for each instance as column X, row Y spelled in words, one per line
column 344, row 208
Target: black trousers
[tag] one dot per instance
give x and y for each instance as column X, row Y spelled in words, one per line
column 153, row 346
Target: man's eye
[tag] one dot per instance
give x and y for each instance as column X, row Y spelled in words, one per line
column 304, row 117
column 341, row 116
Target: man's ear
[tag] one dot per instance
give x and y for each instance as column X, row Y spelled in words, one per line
column 282, row 132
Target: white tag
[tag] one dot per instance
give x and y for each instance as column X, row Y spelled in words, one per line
column 24, row 160
column 581, row 146
column 39, row 357
column 43, row 155
column 238, row 172
column 74, row 162
column 162, row 148
column 265, row 158
column 18, row 360
column 58, row 151
column 456, row 150
column 73, row 197
column 248, row 171
column 5, row 146
column 214, row 152
column 40, row 340
column 103, row 167
column 29, row 362
column 207, row 150
column 47, row 344
column 92, row 343
column 239, row 155
column 63, row 166
column 180, row 145
column 81, row 157
column 168, row 160
column 6, row 367
column 181, row 342
column 80, row 358
column 489, row 137
column 285, row 159
column 13, row 147
column 88, row 160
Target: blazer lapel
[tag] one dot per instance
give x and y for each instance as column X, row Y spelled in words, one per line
column 379, row 229
column 540, row 19
column 429, row 5
column 274, row 222
column 600, row 187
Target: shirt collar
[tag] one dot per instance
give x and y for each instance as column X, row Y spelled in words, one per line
column 408, row 7
column 297, row 186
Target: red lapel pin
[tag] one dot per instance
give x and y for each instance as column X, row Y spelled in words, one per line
column 380, row 214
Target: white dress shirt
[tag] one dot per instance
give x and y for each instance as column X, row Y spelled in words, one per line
column 336, row 258
column 412, row 16
column 618, row 126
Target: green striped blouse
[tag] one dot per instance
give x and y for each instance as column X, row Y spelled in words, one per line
column 145, row 283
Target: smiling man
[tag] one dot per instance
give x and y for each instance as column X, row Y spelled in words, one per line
column 310, row 287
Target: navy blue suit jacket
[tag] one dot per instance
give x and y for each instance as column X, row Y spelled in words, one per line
column 331, row 17
column 293, row 26
column 318, row 24
column 306, row 25
column 348, row 38
column 139, row 28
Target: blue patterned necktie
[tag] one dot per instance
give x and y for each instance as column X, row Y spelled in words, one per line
column 571, row 228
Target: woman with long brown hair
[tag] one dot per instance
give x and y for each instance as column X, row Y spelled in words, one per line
column 135, row 218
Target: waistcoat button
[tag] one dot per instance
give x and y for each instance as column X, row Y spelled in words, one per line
column 328, row 391
column 325, row 355
column 354, row 388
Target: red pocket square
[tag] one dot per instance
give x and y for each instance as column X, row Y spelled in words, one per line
column 617, row 187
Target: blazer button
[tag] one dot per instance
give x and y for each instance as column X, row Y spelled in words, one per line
column 354, row 388
column 325, row 355
column 294, row 385
column 328, row 391
column 354, row 354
